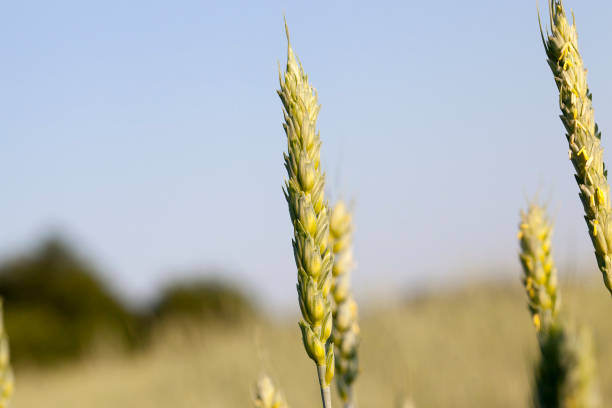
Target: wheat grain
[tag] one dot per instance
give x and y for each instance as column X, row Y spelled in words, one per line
column 304, row 191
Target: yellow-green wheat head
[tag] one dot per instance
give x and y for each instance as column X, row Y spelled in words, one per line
column 565, row 373
column 7, row 382
column 346, row 328
column 267, row 396
column 583, row 135
column 304, row 191
column 539, row 272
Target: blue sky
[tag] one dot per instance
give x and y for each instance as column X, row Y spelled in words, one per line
column 149, row 133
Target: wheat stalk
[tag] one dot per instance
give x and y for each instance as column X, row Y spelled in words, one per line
column 7, row 382
column 304, row 191
column 565, row 373
column 267, row 396
column 346, row 328
column 583, row 135
column 539, row 272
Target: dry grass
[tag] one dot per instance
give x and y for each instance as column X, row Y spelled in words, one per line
column 473, row 347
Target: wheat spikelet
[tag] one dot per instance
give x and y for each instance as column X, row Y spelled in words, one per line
column 346, row 328
column 267, row 396
column 583, row 135
column 7, row 382
column 539, row 272
column 304, row 191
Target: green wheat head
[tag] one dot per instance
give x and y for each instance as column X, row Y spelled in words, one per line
column 583, row 135
column 539, row 272
column 267, row 396
column 7, row 382
column 346, row 328
column 304, row 191
column 565, row 373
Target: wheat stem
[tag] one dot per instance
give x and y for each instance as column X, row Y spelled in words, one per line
column 564, row 376
column 583, row 135
column 325, row 386
column 304, row 191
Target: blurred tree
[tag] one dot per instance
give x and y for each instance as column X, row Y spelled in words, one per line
column 204, row 300
column 57, row 308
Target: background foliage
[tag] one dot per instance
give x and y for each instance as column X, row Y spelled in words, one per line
column 57, row 308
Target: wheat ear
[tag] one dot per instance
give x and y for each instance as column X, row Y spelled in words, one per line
column 7, row 382
column 346, row 328
column 583, row 135
column 267, row 396
column 539, row 272
column 304, row 191
column 565, row 373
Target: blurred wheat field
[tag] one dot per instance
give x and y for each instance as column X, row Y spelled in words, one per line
column 456, row 348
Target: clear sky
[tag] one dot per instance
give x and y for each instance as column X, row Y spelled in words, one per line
column 149, row 133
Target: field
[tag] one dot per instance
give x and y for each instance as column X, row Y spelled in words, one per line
column 469, row 347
